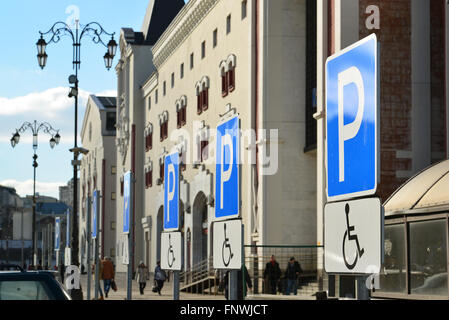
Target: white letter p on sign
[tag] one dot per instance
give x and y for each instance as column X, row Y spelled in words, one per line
column 350, row 130
column 226, row 140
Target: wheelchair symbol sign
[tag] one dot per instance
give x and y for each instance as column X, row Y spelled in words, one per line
column 227, row 244
column 171, row 251
column 353, row 233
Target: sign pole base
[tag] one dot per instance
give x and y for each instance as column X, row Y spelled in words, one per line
column 175, row 285
column 362, row 291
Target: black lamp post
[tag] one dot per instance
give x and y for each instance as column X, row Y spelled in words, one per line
column 35, row 128
column 95, row 31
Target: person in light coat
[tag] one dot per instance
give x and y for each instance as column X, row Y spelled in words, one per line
column 142, row 276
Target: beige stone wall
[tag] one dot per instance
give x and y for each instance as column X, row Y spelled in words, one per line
column 287, row 199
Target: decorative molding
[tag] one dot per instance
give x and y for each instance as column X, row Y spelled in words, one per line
column 180, row 29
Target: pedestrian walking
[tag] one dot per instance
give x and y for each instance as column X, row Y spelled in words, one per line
column 271, row 275
column 159, row 277
column 107, row 274
column 100, row 277
column 291, row 274
column 142, row 276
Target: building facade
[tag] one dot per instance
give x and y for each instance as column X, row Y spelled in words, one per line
column 134, row 67
column 98, row 172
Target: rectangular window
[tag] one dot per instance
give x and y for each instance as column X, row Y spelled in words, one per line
column 172, row 79
column 181, row 70
column 156, row 96
column 113, row 225
column 203, row 49
column 394, row 270
column 161, row 172
column 164, row 88
column 161, row 136
column 121, row 188
column 228, row 24
column 244, row 9
column 183, row 116
column 113, row 196
column 112, row 252
column 178, row 118
column 149, row 142
column 428, row 258
column 205, row 99
column 183, row 161
column 311, row 76
column 191, row 60
column 215, row 38
column 199, row 105
column 113, row 169
column 149, row 103
column 204, row 150
column 224, row 84
column 150, row 178
column 110, row 121
column 231, row 76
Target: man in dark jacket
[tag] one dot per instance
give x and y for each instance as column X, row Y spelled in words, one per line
column 291, row 274
column 271, row 275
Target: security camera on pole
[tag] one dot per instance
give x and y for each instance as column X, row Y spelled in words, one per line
column 353, row 216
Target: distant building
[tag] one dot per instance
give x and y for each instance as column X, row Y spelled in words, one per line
column 98, row 172
column 66, row 193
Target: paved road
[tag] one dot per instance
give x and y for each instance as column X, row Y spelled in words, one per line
column 120, row 294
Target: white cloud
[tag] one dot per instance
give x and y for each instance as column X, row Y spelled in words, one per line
column 48, row 104
column 24, row 188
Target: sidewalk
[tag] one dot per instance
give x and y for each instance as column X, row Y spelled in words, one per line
column 121, row 281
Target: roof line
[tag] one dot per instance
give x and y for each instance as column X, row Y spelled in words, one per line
column 410, row 179
column 433, row 184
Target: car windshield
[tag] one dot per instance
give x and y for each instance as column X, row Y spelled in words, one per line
column 24, row 290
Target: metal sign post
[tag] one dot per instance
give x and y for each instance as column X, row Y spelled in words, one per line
column 95, row 236
column 171, row 242
column 128, row 225
column 354, row 226
column 88, row 267
column 227, row 233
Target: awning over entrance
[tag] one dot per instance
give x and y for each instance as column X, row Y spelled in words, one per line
column 427, row 191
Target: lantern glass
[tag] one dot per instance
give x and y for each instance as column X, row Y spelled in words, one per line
column 41, row 46
column 112, row 48
column 108, row 60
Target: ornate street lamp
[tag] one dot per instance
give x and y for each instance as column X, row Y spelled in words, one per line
column 96, row 32
column 35, row 129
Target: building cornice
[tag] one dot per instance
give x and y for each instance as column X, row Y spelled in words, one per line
column 180, row 28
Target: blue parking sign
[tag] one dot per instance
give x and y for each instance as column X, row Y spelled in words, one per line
column 94, row 214
column 351, row 120
column 227, row 180
column 127, row 180
column 171, row 192
column 57, row 233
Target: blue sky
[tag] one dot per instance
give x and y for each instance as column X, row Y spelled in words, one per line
column 28, row 93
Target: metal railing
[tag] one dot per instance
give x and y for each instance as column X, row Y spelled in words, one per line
column 200, row 278
column 309, row 281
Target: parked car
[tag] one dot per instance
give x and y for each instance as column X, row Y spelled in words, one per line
column 18, row 284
